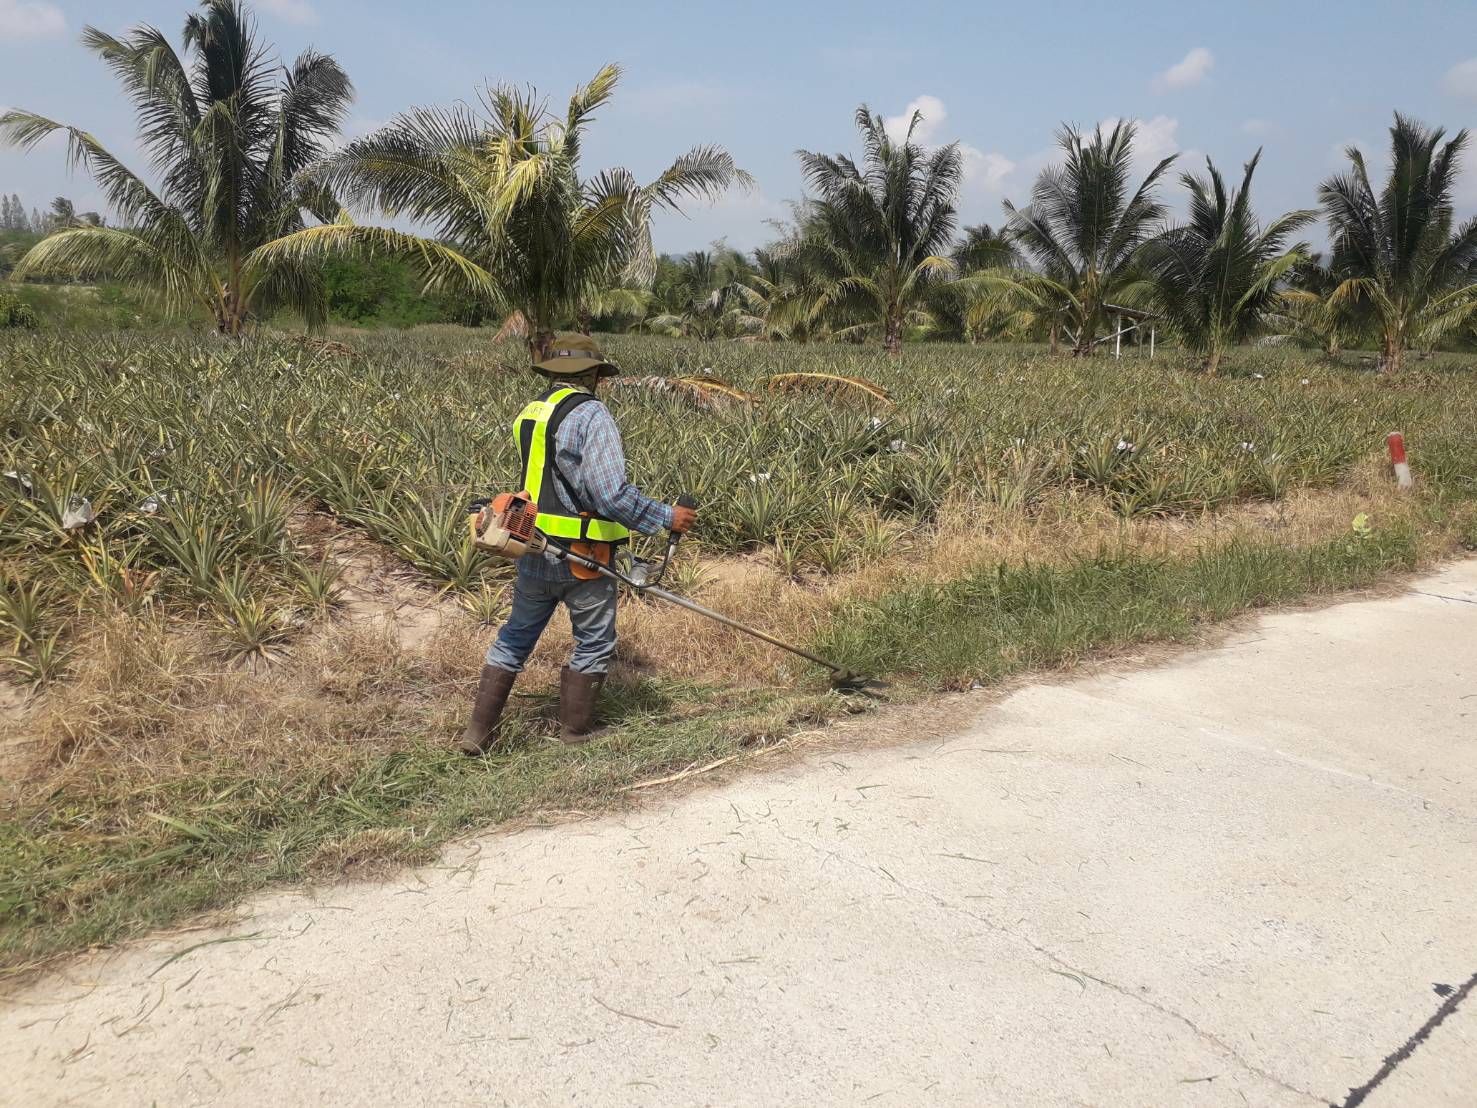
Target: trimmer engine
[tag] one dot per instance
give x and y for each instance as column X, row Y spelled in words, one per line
column 505, row 527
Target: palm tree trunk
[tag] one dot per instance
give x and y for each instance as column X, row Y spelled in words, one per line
column 892, row 338
column 584, row 319
column 539, row 334
column 1056, row 343
column 1392, row 356
column 1212, row 362
column 1085, row 344
column 228, row 321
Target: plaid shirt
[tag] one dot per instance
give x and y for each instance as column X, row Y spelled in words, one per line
column 587, row 448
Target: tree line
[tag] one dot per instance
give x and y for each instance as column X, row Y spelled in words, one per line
column 62, row 214
column 250, row 217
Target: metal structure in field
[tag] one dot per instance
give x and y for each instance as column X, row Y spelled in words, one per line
column 1137, row 321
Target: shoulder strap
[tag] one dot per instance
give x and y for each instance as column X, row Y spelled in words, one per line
column 562, row 409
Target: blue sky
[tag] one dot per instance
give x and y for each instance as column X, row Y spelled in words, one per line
column 762, row 78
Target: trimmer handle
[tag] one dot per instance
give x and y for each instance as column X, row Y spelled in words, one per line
column 686, row 500
column 674, row 536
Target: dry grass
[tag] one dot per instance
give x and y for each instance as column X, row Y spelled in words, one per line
column 149, row 701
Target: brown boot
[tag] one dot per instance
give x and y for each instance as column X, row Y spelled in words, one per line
column 577, row 694
column 492, row 696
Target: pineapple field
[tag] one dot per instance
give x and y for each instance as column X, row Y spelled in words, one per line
column 187, row 479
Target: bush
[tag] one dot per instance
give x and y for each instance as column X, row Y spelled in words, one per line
column 15, row 314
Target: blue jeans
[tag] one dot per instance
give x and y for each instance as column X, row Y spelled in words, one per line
column 591, row 607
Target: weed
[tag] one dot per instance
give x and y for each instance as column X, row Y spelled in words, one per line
column 318, row 584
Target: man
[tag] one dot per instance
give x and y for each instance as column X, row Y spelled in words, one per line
column 575, row 468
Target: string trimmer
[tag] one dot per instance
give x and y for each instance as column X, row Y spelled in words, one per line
column 504, row 527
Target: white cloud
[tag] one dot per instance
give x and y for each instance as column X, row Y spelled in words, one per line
column 933, row 111
column 293, row 11
column 30, row 19
column 1157, row 138
column 1257, row 128
column 1153, row 141
column 1461, row 79
column 985, row 171
column 1189, row 71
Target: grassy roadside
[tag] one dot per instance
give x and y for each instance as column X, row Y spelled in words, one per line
column 999, row 620
column 104, row 860
column 259, row 786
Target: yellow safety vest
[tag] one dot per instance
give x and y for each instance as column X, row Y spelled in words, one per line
column 533, row 433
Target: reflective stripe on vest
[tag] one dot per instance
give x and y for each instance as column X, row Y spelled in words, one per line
column 531, row 436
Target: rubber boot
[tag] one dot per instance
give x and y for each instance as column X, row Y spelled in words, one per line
column 492, row 697
column 577, row 695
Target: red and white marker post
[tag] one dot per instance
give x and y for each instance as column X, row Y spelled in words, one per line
column 1396, row 442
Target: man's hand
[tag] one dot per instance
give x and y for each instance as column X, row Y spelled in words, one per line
column 683, row 518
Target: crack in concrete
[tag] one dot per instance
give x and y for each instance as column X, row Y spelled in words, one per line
column 1439, row 596
column 1407, row 1048
column 1221, row 732
column 1215, row 1042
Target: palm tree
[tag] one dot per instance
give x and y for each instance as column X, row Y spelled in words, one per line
column 1216, row 277
column 63, row 214
column 1396, row 252
column 704, row 295
column 876, row 234
column 983, row 247
column 1309, row 306
column 1083, row 229
column 514, row 224
column 227, row 139
column 773, row 294
column 616, row 308
column 968, row 310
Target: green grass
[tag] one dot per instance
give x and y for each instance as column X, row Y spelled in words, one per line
column 1004, row 619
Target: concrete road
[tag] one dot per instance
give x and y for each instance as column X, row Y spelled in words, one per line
column 1242, row 877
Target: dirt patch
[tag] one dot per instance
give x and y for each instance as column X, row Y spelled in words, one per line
column 374, row 587
column 17, row 743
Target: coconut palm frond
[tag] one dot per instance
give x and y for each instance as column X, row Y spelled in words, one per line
column 830, row 383
column 516, row 225
column 878, row 233
column 166, row 265
column 1084, row 229
column 442, row 267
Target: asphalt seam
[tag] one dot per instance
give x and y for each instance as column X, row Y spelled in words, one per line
column 1218, row 1044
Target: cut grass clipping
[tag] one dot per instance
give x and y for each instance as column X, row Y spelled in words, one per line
column 99, row 863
